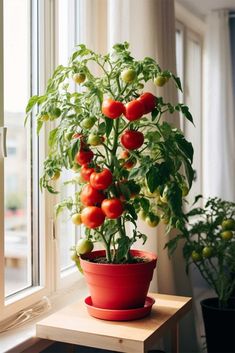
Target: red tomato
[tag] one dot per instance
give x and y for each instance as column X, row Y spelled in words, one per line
column 112, row 208
column 130, row 163
column 112, row 109
column 148, row 100
column 92, row 216
column 134, row 110
column 86, row 172
column 84, row 156
column 102, row 180
column 90, row 196
column 132, row 139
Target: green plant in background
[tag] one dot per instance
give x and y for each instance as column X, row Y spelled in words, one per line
column 209, row 242
column 127, row 160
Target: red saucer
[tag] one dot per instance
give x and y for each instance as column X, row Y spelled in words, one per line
column 120, row 315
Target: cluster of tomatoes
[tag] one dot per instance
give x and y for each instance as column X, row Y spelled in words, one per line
column 93, row 197
column 96, row 206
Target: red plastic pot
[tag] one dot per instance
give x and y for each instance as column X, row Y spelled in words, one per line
column 118, row 286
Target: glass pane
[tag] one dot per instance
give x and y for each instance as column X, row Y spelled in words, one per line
column 17, row 164
column 67, row 231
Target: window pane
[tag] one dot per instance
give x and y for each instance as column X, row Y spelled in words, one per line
column 17, row 165
column 68, row 233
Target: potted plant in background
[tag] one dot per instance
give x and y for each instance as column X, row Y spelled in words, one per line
column 127, row 162
column 209, row 244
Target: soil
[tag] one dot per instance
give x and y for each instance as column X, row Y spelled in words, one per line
column 103, row 260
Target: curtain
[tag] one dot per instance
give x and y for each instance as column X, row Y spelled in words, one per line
column 219, row 124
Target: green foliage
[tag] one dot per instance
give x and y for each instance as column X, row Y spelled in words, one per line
column 205, row 247
column 163, row 163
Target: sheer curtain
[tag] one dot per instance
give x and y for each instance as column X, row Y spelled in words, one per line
column 219, row 124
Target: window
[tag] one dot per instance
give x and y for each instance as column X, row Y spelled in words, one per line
column 38, row 35
column 189, row 62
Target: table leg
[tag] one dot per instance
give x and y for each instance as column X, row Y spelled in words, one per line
column 175, row 338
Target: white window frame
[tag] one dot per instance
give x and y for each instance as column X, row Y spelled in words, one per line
column 51, row 281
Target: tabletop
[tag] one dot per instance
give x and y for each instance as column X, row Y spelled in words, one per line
column 74, row 325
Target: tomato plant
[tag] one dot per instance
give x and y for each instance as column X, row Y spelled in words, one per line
column 113, row 135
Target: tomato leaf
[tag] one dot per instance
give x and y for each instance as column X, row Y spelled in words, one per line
column 177, row 82
column 145, row 204
column 185, row 146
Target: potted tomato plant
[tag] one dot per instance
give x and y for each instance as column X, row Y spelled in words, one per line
column 209, row 244
column 127, row 161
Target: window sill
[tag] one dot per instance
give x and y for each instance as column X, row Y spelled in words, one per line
column 19, row 339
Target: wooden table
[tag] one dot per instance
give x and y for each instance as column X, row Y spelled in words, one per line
column 74, row 325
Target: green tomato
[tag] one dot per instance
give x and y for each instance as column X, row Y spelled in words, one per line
column 142, row 214
column 128, row 75
column 87, row 123
column 44, row 117
column 56, row 112
column 56, row 175
column 152, row 221
column 94, row 140
column 79, row 77
column 76, row 219
column 228, row 224
column 226, row 235
column 75, row 257
column 196, row 256
column 160, row 81
column 84, row 246
column 207, row 251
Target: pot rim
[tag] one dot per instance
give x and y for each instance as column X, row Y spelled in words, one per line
column 207, row 303
column 151, row 256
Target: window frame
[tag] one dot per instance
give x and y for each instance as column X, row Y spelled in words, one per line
column 51, row 282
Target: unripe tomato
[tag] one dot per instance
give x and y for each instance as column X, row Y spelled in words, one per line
column 185, row 190
column 112, row 208
column 92, row 217
column 56, row 175
column 228, row 224
column 84, row 246
column 44, row 117
column 142, row 214
column 152, row 221
column 207, row 251
column 86, row 172
column 160, row 80
column 76, row 219
column 94, row 140
column 84, row 156
column 128, row 75
column 132, row 139
column 88, row 123
column 134, row 110
column 196, row 256
column 112, row 109
column 75, row 257
column 101, row 180
column 149, row 101
column 90, row 196
column 226, row 234
column 79, row 77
